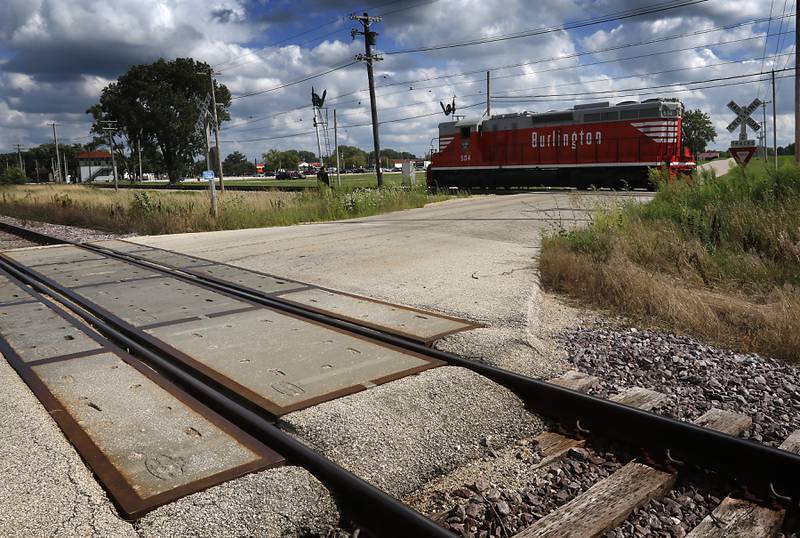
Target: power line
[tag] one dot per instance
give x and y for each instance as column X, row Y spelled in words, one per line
column 299, row 81
column 627, row 14
column 481, row 71
column 634, row 91
column 450, row 84
column 728, row 83
column 342, row 18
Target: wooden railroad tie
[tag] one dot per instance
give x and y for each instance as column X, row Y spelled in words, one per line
column 610, row 501
column 737, row 518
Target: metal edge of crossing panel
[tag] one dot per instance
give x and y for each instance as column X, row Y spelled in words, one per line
column 129, row 503
column 373, row 510
column 280, row 295
column 221, row 382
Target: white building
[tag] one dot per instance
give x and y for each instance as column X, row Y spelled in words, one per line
column 95, row 166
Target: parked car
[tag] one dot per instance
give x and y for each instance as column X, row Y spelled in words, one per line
column 289, row 174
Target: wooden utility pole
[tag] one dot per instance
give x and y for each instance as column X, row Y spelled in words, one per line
column 488, row 94
column 369, row 40
column 139, row 143
column 216, row 130
column 109, row 127
column 796, row 86
column 57, row 172
column 336, row 149
column 19, row 155
column 774, row 124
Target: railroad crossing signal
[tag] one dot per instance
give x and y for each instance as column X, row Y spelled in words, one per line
column 743, row 149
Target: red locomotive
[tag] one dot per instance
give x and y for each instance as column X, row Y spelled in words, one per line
column 590, row 145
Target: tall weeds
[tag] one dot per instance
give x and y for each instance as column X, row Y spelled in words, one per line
column 714, row 257
column 160, row 212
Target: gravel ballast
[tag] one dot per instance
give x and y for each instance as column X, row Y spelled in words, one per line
column 402, row 434
column 693, row 375
column 70, row 233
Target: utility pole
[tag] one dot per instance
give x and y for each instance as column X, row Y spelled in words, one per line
column 109, row 127
column 139, row 143
column 797, row 86
column 19, row 156
column 58, row 158
column 488, row 94
column 369, row 40
column 319, row 146
column 774, row 124
column 36, row 165
column 216, row 129
column 764, row 133
column 336, row 149
column 66, row 175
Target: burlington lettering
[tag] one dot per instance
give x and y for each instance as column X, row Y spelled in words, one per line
column 557, row 138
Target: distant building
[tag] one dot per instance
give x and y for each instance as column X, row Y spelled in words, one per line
column 708, row 156
column 95, row 166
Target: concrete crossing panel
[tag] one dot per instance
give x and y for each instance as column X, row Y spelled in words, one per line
column 417, row 324
column 284, row 363
column 146, row 441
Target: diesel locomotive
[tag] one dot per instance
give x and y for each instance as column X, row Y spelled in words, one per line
column 590, row 145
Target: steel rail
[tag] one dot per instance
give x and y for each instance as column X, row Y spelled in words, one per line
column 370, row 508
column 32, row 235
column 764, row 473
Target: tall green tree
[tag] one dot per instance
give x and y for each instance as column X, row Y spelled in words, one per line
column 697, row 130
column 277, row 159
column 160, row 104
column 307, row 156
column 353, row 157
column 236, row 164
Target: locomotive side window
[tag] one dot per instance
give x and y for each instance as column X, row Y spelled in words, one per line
column 650, row 113
column 629, row 115
column 593, row 117
column 610, row 116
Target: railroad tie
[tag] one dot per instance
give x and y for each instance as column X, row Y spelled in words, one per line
column 610, row 501
column 737, row 518
column 554, row 446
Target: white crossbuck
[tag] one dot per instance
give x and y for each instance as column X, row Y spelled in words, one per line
column 743, row 117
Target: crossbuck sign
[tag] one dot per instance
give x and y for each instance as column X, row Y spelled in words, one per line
column 743, row 149
column 743, row 120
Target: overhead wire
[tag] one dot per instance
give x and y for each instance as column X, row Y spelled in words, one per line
column 473, row 105
column 335, row 100
column 616, row 16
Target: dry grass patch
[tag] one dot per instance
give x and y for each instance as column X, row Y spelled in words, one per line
column 162, row 212
column 718, row 259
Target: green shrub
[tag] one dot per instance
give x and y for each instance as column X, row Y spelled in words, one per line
column 13, row 175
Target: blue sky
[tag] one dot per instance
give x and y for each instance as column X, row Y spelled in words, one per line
column 52, row 68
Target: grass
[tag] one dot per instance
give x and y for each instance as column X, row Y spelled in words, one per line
column 718, row 258
column 349, row 181
column 162, row 212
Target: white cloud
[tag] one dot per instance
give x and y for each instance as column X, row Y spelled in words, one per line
column 61, row 66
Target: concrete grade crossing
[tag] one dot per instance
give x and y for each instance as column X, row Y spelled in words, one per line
column 146, row 440
column 404, row 321
column 275, row 360
column 286, row 501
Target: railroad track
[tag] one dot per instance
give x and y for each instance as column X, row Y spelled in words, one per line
column 769, row 477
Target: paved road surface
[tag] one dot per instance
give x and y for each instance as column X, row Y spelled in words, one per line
column 721, row 166
column 473, row 258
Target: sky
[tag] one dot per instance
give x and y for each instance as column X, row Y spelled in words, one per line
column 56, row 56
